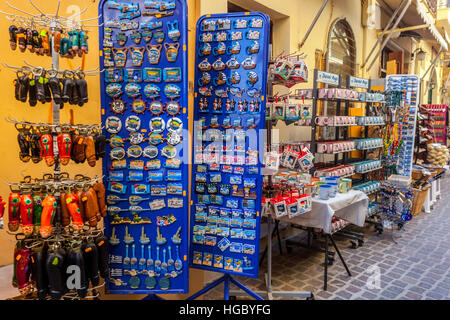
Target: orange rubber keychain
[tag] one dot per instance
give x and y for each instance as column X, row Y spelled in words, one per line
column 26, row 213
column 48, row 214
column 13, row 211
column 74, row 211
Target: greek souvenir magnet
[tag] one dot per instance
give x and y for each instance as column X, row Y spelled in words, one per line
column 133, row 123
column 221, row 49
column 157, row 125
column 134, row 152
column 253, row 49
column 136, row 165
column 221, row 79
column 172, row 74
column 204, row 80
column 156, row 108
column 204, row 66
column 136, row 37
column 175, row 203
column 173, row 108
column 117, row 154
column 136, row 138
column 175, row 125
column 150, row 152
column 235, row 48
column 119, row 165
column 153, row 165
column 169, row 152
column 256, row 23
column 173, row 138
column 121, row 38
column 172, row 164
column 252, row 35
column 205, row 50
column 252, row 79
column 154, row 53
column 218, row 65
column 137, row 56
column 133, row 75
column 116, row 176
column 208, row 25
column 120, row 57
column 152, row 75
column 135, row 176
column 233, row 63
column 171, row 51
column 172, row 91
column 138, row 106
column 118, row 106
column 133, row 90
column 248, row 64
column 147, row 35
column 155, row 138
column 236, row 91
column 159, row 36
column 116, row 141
column 240, row 24
column 113, row 124
column 173, row 32
column 152, row 91
column 114, row 90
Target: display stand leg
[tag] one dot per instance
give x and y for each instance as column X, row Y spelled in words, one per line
column 438, row 189
column 426, row 205
column 275, row 230
column 153, row 297
column 339, row 254
column 325, row 270
column 226, row 294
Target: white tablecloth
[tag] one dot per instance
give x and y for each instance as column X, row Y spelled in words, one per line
column 351, row 207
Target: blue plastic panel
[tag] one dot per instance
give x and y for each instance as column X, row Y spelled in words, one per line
column 160, row 182
column 410, row 85
column 231, row 67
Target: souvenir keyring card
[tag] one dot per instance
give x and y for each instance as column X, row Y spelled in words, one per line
column 144, row 93
column 230, row 93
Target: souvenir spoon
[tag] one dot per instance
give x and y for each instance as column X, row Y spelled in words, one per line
column 126, row 260
column 142, row 260
column 170, row 263
column 150, row 263
column 157, row 262
column 135, row 200
column 178, row 262
column 134, row 259
column 164, row 264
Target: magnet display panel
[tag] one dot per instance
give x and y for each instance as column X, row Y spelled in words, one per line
column 410, row 85
column 228, row 142
column 144, row 111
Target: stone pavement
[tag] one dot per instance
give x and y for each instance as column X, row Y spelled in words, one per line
column 417, row 267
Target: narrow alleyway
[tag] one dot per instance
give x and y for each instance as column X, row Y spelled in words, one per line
column 417, row 267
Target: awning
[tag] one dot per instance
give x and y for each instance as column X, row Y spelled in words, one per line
column 422, row 11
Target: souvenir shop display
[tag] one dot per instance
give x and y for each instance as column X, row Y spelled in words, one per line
column 230, row 91
column 435, row 118
column 437, row 154
column 56, row 220
column 403, row 121
column 144, row 110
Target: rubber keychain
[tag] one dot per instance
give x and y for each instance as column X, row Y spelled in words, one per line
column 47, row 149
column 48, row 213
column 26, row 213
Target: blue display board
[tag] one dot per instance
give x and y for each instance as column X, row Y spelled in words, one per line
column 230, row 90
column 144, row 91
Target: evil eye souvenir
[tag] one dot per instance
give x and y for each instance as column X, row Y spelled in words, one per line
column 113, row 124
column 116, row 141
column 252, row 35
column 133, row 123
column 204, row 66
column 114, row 90
column 136, row 37
column 235, row 48
column 253, row 49
column 173, row 32
column 139, row 106
column 221, row 79
column 218, row 65
column 155, row 138
column 121, row 39
column 222, row 93
column 236, row 91
column 172, row 91
column 136, row 165
column 147, row 34
column 152, row 91
column 221, row 49
column 205, row 50
column 204, row 80
column 173, row 138
column 256, row 23
column 133, row 90
column 159, row 36
column 154, row 53
column 173, row 108
column 206, row 37
column 235, row 36
column 117, row 154
column 152, row 75
column 172, row 74
column 156, row 108
column 120, row 57
column 133, row 75
column 157, row 125
column 233, row 63
column 118, row 107
column 134, row 152
column 169, row 152
column 175, row 125
column 136, row 138
column 252, row 78
column 254, row 93
column 172, row 51
column 150, row 152
column 249, row 64
column 137, row 56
